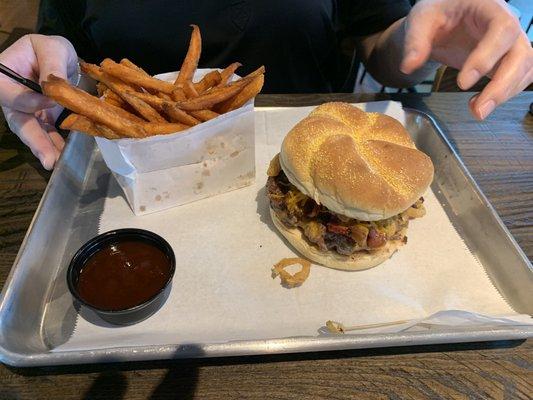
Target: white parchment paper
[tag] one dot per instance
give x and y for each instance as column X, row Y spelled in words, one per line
column 164, row 171
column 226, row 245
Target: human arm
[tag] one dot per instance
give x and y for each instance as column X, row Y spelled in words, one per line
column 31, row 115
column 478, row 37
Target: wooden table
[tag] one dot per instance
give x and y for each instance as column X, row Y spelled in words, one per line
column 498, row 152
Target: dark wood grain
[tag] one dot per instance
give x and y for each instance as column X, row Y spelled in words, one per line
column 498, row 152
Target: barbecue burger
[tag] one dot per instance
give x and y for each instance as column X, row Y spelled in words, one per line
column 345, row 185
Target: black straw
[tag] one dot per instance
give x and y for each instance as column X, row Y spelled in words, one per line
column 20, row 79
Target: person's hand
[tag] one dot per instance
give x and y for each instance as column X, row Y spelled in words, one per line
column 30, row 115
column 478, row 37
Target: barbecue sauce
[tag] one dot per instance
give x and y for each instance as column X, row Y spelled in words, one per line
column 123, row 275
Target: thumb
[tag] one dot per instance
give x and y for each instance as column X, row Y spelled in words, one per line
column 421, row 27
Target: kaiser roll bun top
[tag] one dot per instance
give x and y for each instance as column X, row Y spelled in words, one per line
column 361, row 165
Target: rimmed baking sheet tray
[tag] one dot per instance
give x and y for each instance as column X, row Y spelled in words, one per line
column 237, row 308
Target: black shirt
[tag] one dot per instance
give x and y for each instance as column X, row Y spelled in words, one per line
column 298, row 41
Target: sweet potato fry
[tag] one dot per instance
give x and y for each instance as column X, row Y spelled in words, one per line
column 164, row 96
column 115, row 100
column 83, row 103
column 143, row 108
column 209, row 80
column 250, row 90
column 190, row 63
column 212, row 97
column 113, row 86
column 155, row 101
column 76, row 122
column 83, row 124
column 129, row 75
column 100, row 88
column 95, row 72
column 218, row 94
column 111, row 97
column 169, row 108
column 228, row 72
column 69, row 121
column 120, row 90
column 111, row 82
column 164, row 128
column 133, row 66
column 204, row 115
column 123, row 109
column 177, row 115
column 190, row 91
column 209, row 99
column 134, row 104
column 179, row 94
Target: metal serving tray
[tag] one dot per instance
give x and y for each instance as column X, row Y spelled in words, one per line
column 68, row 216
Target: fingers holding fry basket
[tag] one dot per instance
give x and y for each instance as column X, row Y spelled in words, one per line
column 133, row 104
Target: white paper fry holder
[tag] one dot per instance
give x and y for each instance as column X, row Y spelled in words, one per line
column 164, row 171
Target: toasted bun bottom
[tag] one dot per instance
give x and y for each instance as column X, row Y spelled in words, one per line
column 331, row 259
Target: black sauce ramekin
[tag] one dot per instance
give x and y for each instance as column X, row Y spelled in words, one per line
column 129, row 315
